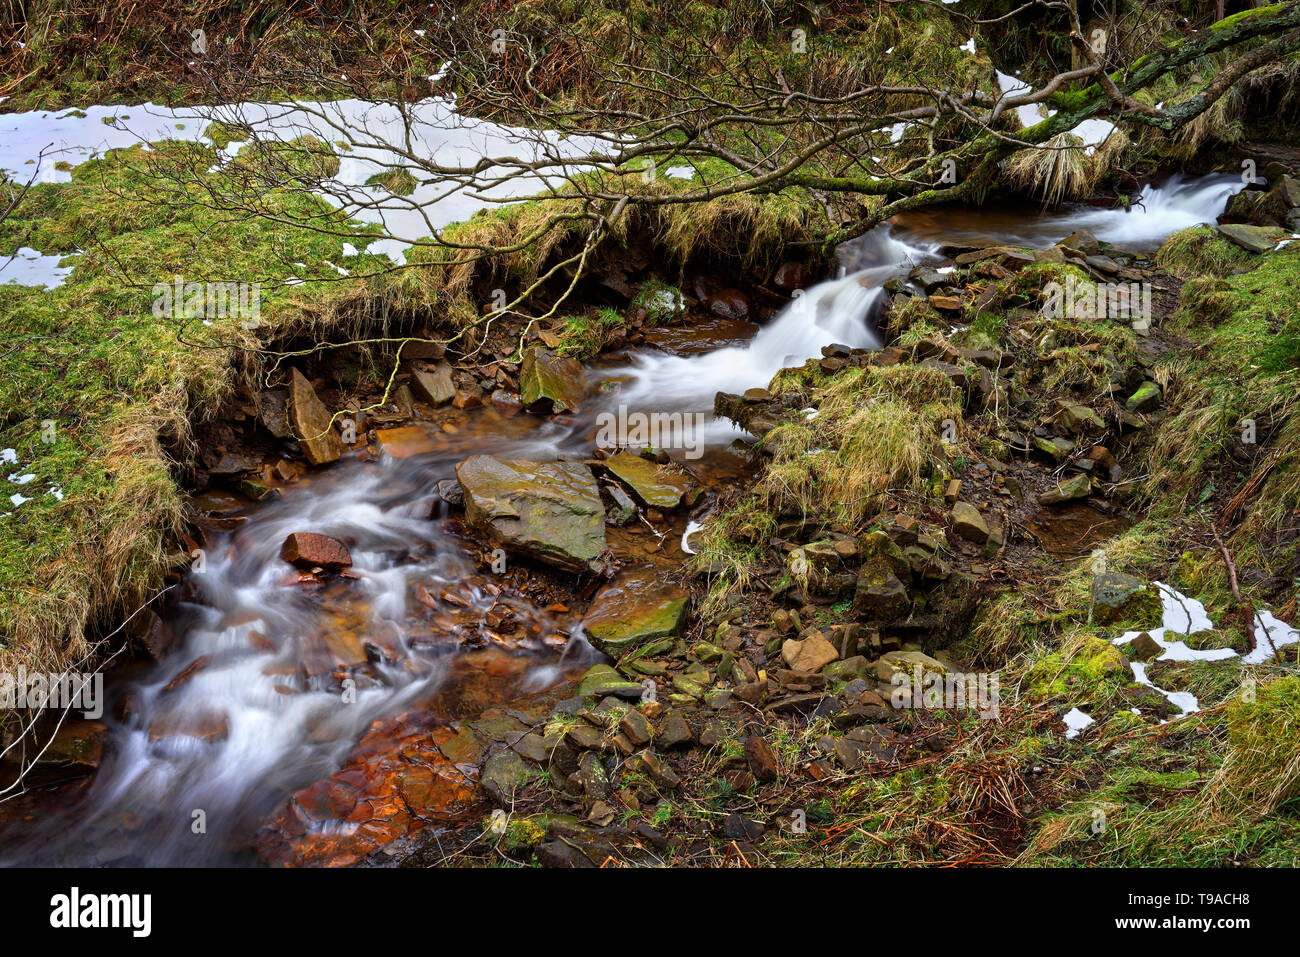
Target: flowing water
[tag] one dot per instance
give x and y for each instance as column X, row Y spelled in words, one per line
column 248, row 708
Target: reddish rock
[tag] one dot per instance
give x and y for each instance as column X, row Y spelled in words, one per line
column 311, row 549
column 791, row 275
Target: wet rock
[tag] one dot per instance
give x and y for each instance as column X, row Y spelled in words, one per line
column 436, row 387
column 1075, row 487
column 1255, row 239
column 969, row 523
column 879, row 595
column 311, row 422
column 407, row 440
column 655, row 486
column 1120, row 597
column 1078, row 418
column 623, row 509
column 810, row 654
column 550, row 383
column 729, row 304
column 449, row 491
column 150, row 633
column 791, row 275
column 206, row 726
column 311, row 549
column 638, row 606
column 548, row 511
column 77, row 748
column 603, row 680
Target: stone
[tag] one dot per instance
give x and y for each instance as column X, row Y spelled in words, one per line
column 636, row 727
column 603, row 680
column 1120, row 597
column 1079, row 418
column 655, row 486
column 1146, row 398
column 311, row 549
column 1144, row 648
column 810, row 654
column 969, row 523
column 436, row 387
column 879, row 594
column 674, row 731
column 1255, row 239
column 504, row 774
column 273, row 412
column 848, row 669
column 623, row 509
column 636, row 607
column 1075, row 487
column 737, row 827
column 762, row 762
column 659, row 771
column 548, row 511
column 550, row 383
column 311, row 422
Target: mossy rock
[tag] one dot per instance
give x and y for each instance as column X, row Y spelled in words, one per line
column 1091, row 675
column 1117, row 597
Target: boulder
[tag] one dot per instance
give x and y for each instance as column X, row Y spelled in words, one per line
column 636, row 607
column 550, row 383
column 1146, row 398
column 548, row 511
column 311, row 422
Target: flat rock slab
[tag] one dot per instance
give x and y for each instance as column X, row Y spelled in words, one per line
column 550, row 511
column 636, row 607
column 310, row 549
column 653, row 485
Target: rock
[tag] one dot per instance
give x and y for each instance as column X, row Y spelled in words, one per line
column 740, row 828
column 592, row 777
column 550, row 383
column 602, row 680
column 655, row 486
column 637, row 727
column 623, row 509
column 636, row 607
column 436, row 387
column 1144, row 648
column 791, row 275
column 449, row 491
column 77, row 748
column 310, row 549
column 1255, row 239
column 273, row 412
column 761, row 760
column 848, row 669
column 674, row 731
column 1146, row 398
column 1057, row 448
column 969, row 523
column 148, row 631
column 1078, row 418
column 729, row 304
column 1120, row 597
column 503, row 775
column 879, row 594
column 1076, row 486
column 311, row 422
column 548, row 511
column 811, row 654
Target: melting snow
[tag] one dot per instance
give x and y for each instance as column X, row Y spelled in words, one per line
column 1075, row 721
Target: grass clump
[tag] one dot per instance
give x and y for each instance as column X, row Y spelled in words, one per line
column 1202, row 252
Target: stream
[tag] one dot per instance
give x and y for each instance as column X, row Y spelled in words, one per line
column 243, row 711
